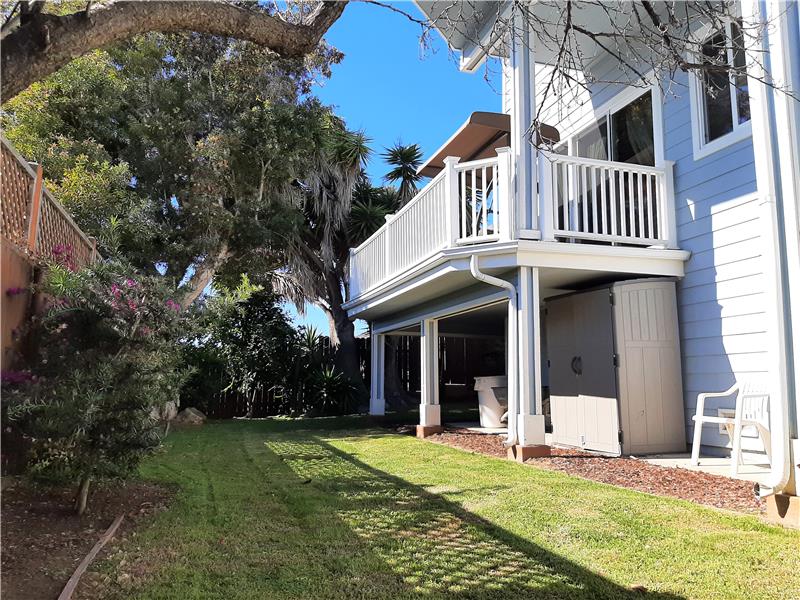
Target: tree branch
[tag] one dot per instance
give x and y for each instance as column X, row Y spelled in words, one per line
column 45, row 42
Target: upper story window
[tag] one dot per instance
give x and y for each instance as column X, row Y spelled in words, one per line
column 623, row 135
column 720, row 99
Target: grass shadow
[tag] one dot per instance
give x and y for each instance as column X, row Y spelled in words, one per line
column 437, row 548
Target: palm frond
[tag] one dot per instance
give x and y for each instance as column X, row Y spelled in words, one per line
column 405, row 161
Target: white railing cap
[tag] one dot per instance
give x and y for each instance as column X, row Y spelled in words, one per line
column 476, row 164
column 594, row 162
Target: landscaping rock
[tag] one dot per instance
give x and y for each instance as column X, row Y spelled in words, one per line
column 190, row 416
column 167, row 412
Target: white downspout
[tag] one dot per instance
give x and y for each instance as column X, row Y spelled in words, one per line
column 768, row 182
column 511, row 359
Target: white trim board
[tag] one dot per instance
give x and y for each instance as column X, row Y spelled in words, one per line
column 444, row 311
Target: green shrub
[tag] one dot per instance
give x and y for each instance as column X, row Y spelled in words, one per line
column 106, row 364
column 248, row 345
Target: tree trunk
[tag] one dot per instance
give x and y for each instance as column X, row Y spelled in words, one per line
column 82, row 497
column 203, row 274
column 346, row 359
column 40, row 44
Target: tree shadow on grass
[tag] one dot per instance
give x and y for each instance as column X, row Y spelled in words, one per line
column 435, row 546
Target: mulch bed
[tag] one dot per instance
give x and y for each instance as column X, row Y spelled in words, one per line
column 711, row 490
column 43, row 540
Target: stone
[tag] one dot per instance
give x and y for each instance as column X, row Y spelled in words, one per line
column 167, row 412
column 190, row 416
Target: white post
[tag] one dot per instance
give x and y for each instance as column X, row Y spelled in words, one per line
column 352, row 276
column 377, row 402
column 785, row 66
column 767, row 167
column 546, row 198
column 505, row 195
column 668, row 206
column 452, row 198
column 429, row 409
column 388, row 246
column 521, row 118
column 530, row 420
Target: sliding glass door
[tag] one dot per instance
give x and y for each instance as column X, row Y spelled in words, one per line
column 621, row 135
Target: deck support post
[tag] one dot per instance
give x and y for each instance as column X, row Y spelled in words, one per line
column 377, row 402
column 522, row 115
column 430, row 414
column 530, row 418
column 453, row 206
column 505, row 195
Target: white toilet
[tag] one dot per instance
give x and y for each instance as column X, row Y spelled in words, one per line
column 492, row 400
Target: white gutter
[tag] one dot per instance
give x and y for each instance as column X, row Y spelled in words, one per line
column 511, row 359
column 768, row 180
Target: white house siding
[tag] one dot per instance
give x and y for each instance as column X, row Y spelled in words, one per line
column 721, row 300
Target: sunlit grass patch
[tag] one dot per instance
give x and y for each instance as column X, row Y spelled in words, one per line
column 294, row 509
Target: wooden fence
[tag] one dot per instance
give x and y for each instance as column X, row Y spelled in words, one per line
column 32, row 219
column 34, row 227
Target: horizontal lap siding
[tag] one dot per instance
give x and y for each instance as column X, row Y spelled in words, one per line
column 720, row 300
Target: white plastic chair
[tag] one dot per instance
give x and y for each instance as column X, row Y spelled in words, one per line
column 752, row 408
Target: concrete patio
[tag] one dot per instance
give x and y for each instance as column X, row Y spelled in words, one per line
column 755, row 467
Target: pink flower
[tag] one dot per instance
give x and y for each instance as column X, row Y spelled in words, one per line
column 131, row 304
column 130, row 282
column 115, row 290
column 15, row 377
column 173, row 305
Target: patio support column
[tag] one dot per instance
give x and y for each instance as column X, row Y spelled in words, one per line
column 377, row 402
column 430, row 415
column 523, row 112
column 530, row 419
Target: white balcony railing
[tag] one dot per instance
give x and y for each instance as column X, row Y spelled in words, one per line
column 465, row 204
column 579, row 200
column 605, row 201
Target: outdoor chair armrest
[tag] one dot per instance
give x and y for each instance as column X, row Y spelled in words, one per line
column 701, row 398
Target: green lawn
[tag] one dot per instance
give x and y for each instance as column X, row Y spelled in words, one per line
column 330, row 509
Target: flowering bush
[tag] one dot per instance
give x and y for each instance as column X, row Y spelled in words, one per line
column 107, row 357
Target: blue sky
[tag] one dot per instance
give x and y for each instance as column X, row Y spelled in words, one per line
column 393, row 91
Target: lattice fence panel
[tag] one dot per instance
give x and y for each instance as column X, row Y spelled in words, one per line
column 58, row 234
column 16, row 197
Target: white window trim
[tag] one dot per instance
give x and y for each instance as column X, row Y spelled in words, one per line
column 740, row 132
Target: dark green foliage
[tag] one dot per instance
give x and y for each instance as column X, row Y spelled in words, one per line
column 405, row 160
column 249, row 332
column 183, row 143
column 248, row 346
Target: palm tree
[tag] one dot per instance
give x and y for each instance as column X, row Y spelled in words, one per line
column 318, row 248
column 405, row 160
column 369, row 209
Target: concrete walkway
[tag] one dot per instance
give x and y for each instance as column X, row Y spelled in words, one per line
column 755, row 467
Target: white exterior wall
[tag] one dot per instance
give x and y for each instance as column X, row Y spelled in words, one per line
column 721, row 299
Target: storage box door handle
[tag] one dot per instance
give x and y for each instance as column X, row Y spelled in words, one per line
column 577, row 365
